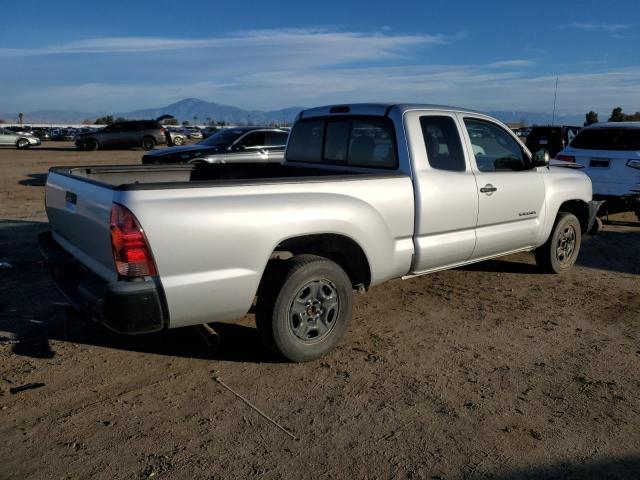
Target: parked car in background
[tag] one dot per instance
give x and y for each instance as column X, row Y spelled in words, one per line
column 208, row 131
column 18, row 140
column 194, row 132
column 63, row 135
column 550, row 138
column 177, row 137
column 610, row 154
column 367, row 193
column 42, row 133
column 20, row 129
column 145, row 134
column 229, row 145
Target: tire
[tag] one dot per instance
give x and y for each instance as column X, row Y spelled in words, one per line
column 91, row 145
column 178, row 141
column 560, row 251
column 637, row 212
column 22, row 143
column 304, row 307
column 147, row 143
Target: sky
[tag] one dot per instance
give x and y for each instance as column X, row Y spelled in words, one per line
column 113, row 56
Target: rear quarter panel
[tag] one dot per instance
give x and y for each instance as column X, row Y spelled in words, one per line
column 211, row 245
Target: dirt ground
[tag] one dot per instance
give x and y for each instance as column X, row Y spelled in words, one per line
column 491, row 371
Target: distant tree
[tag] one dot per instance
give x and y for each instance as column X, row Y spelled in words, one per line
column 86, row 121
column 120, row 119
column 633, row 118
column 221, row 123
column 591, row 118
column 2, row 121
column 161, row 118
column 617, row 115
column 170, row 121
column 106, row 120
column 21, row 117
column 185, row 123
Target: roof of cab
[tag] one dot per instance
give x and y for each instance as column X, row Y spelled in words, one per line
column 377, row 109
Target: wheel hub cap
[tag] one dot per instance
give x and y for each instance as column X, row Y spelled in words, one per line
column 314, row 310
column 566, row 244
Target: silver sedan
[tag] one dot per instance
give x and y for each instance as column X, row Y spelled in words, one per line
column 18, row 140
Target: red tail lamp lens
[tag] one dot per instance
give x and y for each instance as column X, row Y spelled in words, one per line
column 566, row 158
column 131, row 252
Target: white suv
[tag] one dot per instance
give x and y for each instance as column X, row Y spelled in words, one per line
column 610, row 155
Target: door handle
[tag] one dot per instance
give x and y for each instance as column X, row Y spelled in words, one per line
column 489, row 189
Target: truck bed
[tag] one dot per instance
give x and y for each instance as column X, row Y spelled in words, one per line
column 145, row 177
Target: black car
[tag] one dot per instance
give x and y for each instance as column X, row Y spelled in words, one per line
column 229, row 145
column 129, row 134
column 63, row 135
column 42, row 133
column 552, row 139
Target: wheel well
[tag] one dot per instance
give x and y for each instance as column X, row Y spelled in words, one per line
column 149, row 137
column 578, row 208
column 342, row 250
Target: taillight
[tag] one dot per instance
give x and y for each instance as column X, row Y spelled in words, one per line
column 633, row 163
column 566, row 158
column 131, row 252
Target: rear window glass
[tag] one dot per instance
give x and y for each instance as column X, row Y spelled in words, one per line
column 545, row 133
column 608, row 139
column 358, row 142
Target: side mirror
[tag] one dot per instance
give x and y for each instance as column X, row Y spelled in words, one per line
column 541, row 158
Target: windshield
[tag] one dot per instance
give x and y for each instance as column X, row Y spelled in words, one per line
column 223, row 138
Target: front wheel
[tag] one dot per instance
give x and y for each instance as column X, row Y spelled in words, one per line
column 23, row 143
column 147, row 143
column 178, row 141
column 304, row 307
column 560, row 251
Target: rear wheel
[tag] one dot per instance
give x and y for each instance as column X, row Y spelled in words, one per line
column 178, row 141
column 304, row 307
column 22, row 143
column 91, row 145
column 560, row 251
column 147, row 143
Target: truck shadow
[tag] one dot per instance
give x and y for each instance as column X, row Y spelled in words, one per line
column 610, row 250
column 624, row 468
column 34, row 180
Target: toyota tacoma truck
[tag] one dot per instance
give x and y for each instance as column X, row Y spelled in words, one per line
column 367, row 193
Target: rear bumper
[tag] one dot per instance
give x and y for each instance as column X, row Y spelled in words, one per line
column 129, row 307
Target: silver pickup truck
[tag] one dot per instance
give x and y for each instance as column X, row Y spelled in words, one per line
column 367, row 193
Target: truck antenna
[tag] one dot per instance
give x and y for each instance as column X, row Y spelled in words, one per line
column 555, row 96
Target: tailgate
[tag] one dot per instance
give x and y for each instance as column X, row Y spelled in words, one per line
column 79, row 214
column 609, row 171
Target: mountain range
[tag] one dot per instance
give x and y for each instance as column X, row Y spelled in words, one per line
column 199, row 111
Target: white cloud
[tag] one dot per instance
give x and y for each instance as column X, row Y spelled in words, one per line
column 511, row 63
column 332, row 47
column 615, row 29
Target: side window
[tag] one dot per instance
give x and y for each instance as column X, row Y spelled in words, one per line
column 442, row 140
column 130, row 127
column 254, row 139
column 276, row 139
column 494, row 149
